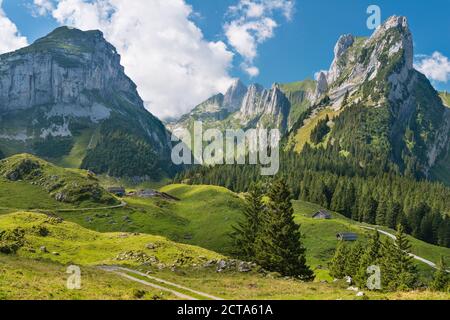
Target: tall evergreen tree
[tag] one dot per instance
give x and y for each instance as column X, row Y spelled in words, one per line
column 371, row 256
column 353, row 260
column 339, row 261
column 279, row 246
column 398, row 269
column 380, row 218
column 247, row 230
column 441, row 279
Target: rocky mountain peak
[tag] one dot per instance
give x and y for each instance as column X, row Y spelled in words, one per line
column 395, row 32
column 58, row 70
column 345, row 41
column 322, row 84
column 251, row 100
column 234, row 96
column 358, row 60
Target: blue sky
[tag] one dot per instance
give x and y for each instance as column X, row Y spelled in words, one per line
column 305, row 45
column 296, row 49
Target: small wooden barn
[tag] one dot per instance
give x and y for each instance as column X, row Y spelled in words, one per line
column 347, row 236
column 118, row 191
column 322, row 214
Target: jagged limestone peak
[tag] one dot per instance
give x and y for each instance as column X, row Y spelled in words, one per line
column 235, row 94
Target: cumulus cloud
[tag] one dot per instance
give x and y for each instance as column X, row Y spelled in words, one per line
column 251, row 23
column 42, row 7
column 436, row 67
column 10, row 38
column 162, row 50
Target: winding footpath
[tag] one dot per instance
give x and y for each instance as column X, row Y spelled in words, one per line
column 125, row 273
column 390, row 235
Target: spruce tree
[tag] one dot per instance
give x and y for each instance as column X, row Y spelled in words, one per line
column 247, row 230
column 339, row 261
column 279, row 245
column 353, row 260
column 371, row 256
column 398, row 269
column 441, row 279
column 380, row 218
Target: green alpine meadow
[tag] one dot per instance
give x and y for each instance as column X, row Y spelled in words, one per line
column 93, row 206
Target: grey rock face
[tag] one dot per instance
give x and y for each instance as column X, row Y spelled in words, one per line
column 250, row 104
column 322, row 85
column 360, row 60
column 62, row 69
column 344, row 42
column 233, row 97
column 265, row 107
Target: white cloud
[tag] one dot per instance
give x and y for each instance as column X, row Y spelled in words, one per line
column 10, row 38
column 162, row 50
column 252, row 23
column 252, row 71
column 42, row 7
column 436, row 67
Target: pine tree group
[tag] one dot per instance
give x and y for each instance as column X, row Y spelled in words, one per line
column 398, row 271
column 269, row 236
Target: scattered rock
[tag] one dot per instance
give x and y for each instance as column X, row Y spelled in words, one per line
column 43, row 249
column 353, row 288
column 210, row 263
column 222, row 265
column 55, row 253
column 360, row 294
column 137, row 256
column 151, row 246
column 244, row 267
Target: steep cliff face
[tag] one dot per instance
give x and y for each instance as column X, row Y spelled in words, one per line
column 63, row 69
column 68, row 90
column 252, row 107
column 265, row 108
column 233, row 97
column 385, row 111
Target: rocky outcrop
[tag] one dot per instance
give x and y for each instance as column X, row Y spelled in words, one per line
column 322, row 85
column 252, row 99
column 234, row 96
column 66, row 68
column 344, row 42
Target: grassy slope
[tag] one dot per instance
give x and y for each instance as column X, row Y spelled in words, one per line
column 33, row 192
column 78, row 152
column 23, row 195
column 75, row 244
column 203, row 217
column 249, row 287
column 24, row 279
column 303, row 135
column 37, row 275
column 205, row 214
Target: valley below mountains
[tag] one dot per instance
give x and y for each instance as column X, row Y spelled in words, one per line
column 87, row 179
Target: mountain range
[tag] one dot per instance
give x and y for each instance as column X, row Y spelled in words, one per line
column 66, row 98
column 378, row 109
